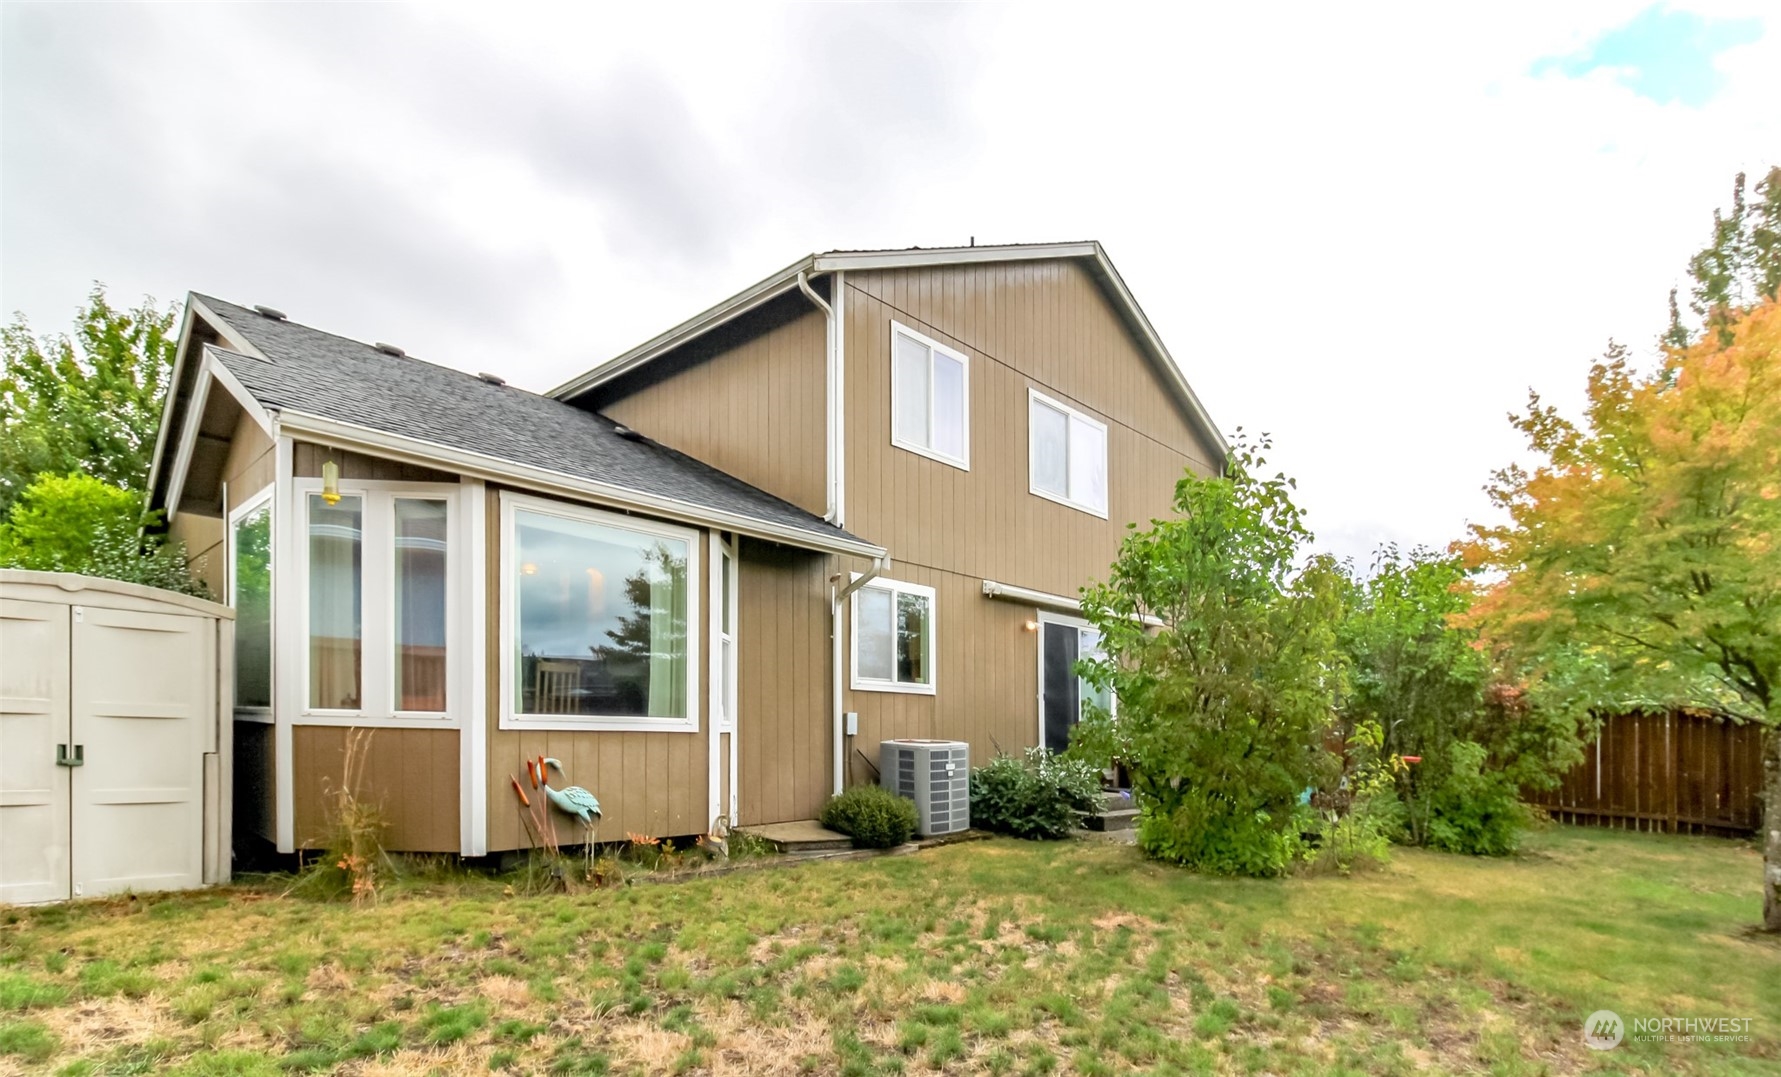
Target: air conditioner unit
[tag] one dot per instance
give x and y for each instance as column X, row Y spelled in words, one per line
column 936, row 774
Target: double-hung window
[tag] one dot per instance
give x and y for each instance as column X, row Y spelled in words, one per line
column 893, row 637
column 930, row 398
column 377, row 564
column 599, row 619
column 1067, row 454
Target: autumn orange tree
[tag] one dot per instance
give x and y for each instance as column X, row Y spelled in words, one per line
column 1649, row 537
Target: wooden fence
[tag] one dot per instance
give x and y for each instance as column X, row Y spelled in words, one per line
column 1667, row 771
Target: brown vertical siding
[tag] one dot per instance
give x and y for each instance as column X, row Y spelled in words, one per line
column 782, row 683
column 307, row 461
column 247, row 469
column 750, row 399
column 410, row 774
column 985, row 677
column 647, row 783
column 1043, row 325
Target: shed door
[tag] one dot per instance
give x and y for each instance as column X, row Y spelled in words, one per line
column 33, row 722
column 142, row 687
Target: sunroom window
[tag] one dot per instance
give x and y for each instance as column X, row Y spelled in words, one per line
column 250, row 592
column 893, row 637
column 376, row 597
column 930, row 398
column 1067, row 454
column 596, row 619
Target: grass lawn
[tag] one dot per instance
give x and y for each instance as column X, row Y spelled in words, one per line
column 998, row 957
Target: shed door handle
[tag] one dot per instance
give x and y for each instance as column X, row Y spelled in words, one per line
column 63, row 759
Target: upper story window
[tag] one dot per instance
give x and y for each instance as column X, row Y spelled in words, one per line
column 1067, row 460
column 930, row 398
column 893, row 637
column 596, row 609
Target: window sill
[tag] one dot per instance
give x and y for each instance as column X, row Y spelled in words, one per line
column 892, row 686
column 570, row 723
column 921, row 450
column 1087, row 510
column 378, row 721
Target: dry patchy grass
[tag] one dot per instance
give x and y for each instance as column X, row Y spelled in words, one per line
column 998, row 957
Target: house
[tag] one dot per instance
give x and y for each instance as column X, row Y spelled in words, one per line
column 855, row 501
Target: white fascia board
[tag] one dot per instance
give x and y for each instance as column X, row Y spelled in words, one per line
column 483, row 466
column 1160, row 352
column 1026, row 596
column 209, row 370
column 941, row 256
column 741, row 303
column 195, row 309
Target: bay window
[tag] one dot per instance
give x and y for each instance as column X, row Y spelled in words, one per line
column 250, row 592
column 376, row 565
column 596, row 611
column 893, row 637
column 1067, row 454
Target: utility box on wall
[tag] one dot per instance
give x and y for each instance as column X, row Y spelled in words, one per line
column 115, row 716
column 936, row 774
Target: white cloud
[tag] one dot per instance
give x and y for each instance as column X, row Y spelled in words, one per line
column 1368, row 233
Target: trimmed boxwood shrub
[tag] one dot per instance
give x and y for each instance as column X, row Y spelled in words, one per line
column 1042, row 796
column 874, row 817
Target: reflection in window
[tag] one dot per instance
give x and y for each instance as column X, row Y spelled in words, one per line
column 930, row 399
column 600, row 619
column 420, row 604
column 336, row 579
column 893, row 635
column 251, row 595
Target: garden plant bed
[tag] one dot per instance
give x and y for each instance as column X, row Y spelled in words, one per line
column 995, row 956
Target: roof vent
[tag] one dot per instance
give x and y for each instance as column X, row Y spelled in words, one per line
column 265, row 311
column 492, row 379
column 628, row 434
column 389, row 349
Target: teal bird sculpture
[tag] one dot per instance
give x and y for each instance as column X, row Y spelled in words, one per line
column 574, row 800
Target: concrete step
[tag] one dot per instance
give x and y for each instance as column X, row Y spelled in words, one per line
column 1113, row 819
column 1118, row 800
column 802, row 836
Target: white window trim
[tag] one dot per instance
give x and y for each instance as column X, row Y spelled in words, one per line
column 377, row 563
column 873, row 684
column 722, row 705
column 254, row 503
column 510, row 717
column 963, row 463
column 1035, row 396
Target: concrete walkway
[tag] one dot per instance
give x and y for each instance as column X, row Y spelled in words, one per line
column 801, row 836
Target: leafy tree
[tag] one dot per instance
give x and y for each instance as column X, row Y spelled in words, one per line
column 77, row 523
column 1741, row 264
column 1649, row 536
column 1439, row 696
column 1223, row 710
column 90, row 402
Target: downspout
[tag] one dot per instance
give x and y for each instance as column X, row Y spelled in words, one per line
column 840, row 596
column 831, row 435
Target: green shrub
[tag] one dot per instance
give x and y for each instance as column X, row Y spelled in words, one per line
column 80, row 524
column 1042, row 796
column 1354, row 823
column 1474, row 810
column 874, row 817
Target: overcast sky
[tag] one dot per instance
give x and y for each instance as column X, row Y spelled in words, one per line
column 1366, row 232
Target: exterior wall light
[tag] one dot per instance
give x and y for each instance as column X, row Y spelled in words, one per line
column 331, row 482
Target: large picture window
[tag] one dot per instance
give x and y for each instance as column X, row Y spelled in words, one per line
column 1067, row 454
column 930, row 398
column 250, row 592
column 893, row 637
column 596, row 615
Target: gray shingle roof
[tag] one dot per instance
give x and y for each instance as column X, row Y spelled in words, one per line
column 348, row 381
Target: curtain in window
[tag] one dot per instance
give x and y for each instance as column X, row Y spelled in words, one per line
column 667, row 637
column 335, row 584
column 420, row 604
